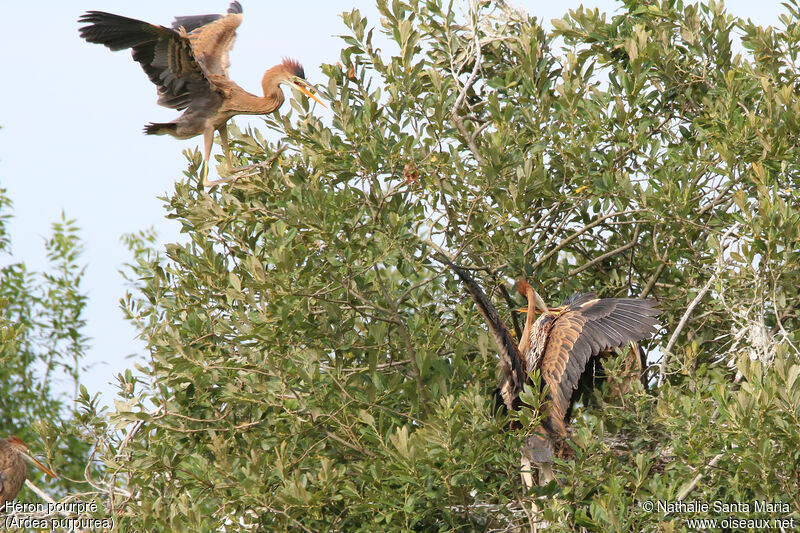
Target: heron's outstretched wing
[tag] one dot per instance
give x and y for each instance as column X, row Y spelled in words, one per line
column 168, row 55
column 588, row 326
column 512, row 373
column 212, row 38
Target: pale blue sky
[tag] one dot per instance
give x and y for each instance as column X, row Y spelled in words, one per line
column 72, row 115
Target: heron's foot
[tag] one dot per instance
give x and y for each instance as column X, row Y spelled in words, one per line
column 227, row 170
column 235, row 173
column 231, row 173
column 264, row 164
column 225, row 176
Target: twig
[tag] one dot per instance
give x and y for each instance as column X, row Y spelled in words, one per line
column 578, row 233
column 457, row 121
column 607, row 254
column 778, row 322
column 662, row 373
column 356, row 369
column 412, row 354
column 42, row 494
column 358, row 449
column 662, row 265
column 693, row 483
column 684, row 319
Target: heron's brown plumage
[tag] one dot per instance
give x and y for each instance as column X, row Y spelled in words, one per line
column 189, row 63
column 211, row 38
column 178, row 60
column 560, row 343
column 13, row 470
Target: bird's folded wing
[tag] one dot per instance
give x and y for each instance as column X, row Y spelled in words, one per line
column 587, row 327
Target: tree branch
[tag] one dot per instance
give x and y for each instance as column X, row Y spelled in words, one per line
column 607, row 254
column 578, row 233
column 454, row 117
column 692, row 484
column 662, row 373
column 412, row 353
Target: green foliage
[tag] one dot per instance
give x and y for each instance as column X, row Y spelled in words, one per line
column 41, row 344
column 312, row 368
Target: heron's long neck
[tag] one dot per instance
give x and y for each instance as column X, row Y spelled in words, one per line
column 242, row 102
column 273, row 95
column 525, row 341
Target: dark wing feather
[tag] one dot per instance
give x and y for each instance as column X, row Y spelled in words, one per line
column 178, row 63
column 165, row 56
column 577, row 299
column 192, row 22
column 587, row 327
column 513, row 375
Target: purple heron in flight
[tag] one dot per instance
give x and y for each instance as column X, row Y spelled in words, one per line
column 189, row 63
column 561, row 343
column 13, row 470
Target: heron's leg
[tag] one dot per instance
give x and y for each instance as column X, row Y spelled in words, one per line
column 527, row 483
column 546, row 474
column 223, row 140
column 208, row 140
column 526, row 471
column 268, row 162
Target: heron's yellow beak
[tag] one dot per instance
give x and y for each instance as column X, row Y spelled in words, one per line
column 33, row 460
column 552, row 310
column 539, row 303
column 305, row 88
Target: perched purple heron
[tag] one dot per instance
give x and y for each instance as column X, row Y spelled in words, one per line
column 13, row 470
column 189, row 63
column 561, row 343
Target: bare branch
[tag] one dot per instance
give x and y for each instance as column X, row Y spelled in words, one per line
column 42, row 494
column 578, row 233
column 457, row 120
column 662, row 373
column 685, row 491
column 607, row 254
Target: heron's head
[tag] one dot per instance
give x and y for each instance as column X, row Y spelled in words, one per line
column 291, row 73
column 22, row 449
column 526, row 290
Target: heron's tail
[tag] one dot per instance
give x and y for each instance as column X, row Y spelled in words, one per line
column 161, row 128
